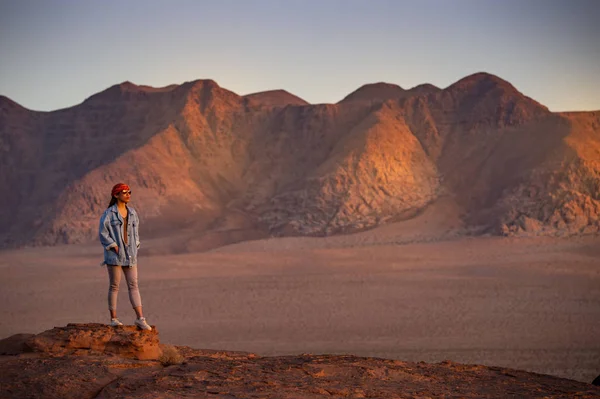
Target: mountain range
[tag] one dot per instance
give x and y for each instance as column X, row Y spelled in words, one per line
column 208, row 167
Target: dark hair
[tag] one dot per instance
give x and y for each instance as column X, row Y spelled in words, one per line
column 113, row 201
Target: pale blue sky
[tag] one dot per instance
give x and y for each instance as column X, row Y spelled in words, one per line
column 54, row 54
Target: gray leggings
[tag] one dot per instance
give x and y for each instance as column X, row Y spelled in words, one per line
column 114, row 276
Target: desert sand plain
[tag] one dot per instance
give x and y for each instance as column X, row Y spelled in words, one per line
column 394, row 292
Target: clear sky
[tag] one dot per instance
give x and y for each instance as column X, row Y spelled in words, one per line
column 56, row 53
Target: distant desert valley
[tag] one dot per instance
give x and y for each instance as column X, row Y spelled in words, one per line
column 421, row 224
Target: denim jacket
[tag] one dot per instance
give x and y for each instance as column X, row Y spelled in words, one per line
column 111, row 235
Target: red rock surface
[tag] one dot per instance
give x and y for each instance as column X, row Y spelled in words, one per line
column 125, row 341
column 66, row 370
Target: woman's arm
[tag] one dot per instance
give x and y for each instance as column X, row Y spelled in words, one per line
column 137, row 231
column 104, row 234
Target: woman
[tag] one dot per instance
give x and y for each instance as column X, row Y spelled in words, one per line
column 119, row 236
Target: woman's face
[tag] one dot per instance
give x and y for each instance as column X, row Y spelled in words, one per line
column 124, row 196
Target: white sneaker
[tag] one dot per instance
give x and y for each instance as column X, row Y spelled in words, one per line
column 141, row 323
column 115, row 323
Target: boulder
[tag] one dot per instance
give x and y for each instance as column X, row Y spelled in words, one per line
column 125, row 341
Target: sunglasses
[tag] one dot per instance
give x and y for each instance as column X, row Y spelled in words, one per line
column 126, row 192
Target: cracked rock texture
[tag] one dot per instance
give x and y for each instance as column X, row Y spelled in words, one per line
column 76, row 362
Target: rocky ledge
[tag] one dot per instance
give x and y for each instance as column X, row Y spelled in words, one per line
column 97, row 361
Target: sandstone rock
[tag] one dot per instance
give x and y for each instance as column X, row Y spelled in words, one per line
column 14, row 344
column 53, row 377
column 529, row 225
column 124, row 341
column 222, row 374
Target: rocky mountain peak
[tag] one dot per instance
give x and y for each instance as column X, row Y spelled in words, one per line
column 275, row 98
column 380, row 91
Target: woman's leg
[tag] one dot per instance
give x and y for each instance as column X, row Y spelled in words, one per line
column 114, row 278
column 131, row 276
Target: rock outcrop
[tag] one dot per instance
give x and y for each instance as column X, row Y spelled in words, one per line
column 96, row 361
column 81, row 339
